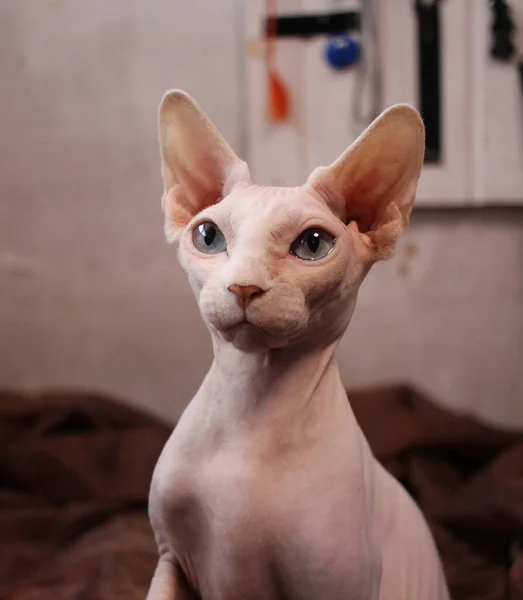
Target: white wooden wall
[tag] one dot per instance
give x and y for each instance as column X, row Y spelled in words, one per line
column 482, row 104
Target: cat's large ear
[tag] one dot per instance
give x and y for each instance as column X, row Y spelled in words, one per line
column 198, row 166
column 373, row 183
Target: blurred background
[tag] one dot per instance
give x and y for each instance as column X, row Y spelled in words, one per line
column 91, row 295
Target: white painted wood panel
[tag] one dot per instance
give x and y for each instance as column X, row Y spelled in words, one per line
column 482, row 104
column 497, row 109
column 276, row 151
column 320, row 126
column 447, row 183
column 327, row 95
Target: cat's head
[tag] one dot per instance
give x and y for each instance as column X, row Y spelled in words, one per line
column 275, row 266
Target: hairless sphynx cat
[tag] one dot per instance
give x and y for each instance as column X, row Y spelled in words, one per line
column 267, row 488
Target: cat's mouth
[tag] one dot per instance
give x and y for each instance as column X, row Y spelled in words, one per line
column 249, row 337
column 245, row 323
column 245, row 326
column 259, row 325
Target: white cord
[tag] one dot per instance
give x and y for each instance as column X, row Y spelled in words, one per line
column 369, row 69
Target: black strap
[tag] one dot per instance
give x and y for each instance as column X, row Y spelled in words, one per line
column 429, row 69
column 305, row 26
column 502, row 27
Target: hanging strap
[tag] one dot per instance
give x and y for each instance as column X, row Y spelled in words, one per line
column 429, row 73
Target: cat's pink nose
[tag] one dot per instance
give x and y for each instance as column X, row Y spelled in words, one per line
column 245, row 293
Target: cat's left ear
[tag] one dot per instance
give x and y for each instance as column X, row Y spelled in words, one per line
column 199, row 168
column 373, row 183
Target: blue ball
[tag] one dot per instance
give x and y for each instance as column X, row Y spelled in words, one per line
column 342, row 51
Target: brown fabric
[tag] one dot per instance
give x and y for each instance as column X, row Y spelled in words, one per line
column 468, row 480
column 74, row 476
column 75, row 472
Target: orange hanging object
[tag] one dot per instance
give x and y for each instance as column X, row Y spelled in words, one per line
column 279, row 99
column 278, row 103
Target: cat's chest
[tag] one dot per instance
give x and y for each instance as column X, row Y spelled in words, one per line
column 208, row 494
column 227, row 516
column 229, row 491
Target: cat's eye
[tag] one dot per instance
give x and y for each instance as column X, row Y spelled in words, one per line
column 313, row 244
column 208, row 238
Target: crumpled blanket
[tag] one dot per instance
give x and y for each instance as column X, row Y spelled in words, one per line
column 75, row 470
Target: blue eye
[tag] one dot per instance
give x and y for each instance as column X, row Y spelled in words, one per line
column 209, row 239
column 313, row 244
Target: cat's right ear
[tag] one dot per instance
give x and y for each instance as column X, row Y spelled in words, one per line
column 198, row 166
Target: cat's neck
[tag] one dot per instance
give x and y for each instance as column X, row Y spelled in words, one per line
column 285, row 382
